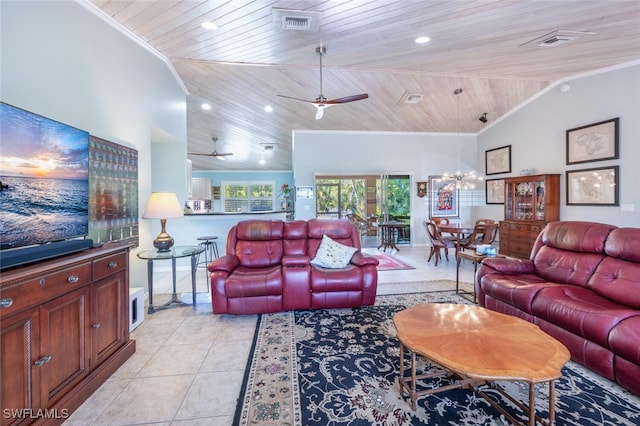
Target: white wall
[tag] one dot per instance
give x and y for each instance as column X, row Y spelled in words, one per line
column 537, row 135
column 61, row 61
column 418, row 154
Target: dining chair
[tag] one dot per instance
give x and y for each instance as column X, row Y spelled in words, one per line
column 483, row 233
column 444, row 221
column 361, row 224
column 437, row 242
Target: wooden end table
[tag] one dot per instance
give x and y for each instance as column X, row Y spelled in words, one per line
column 476, row 259
column 478, row 347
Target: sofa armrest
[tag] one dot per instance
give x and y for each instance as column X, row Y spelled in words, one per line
column 225, row 263
column 360, row 259
column 500, row 265
column 503, row 265
column 295, row 261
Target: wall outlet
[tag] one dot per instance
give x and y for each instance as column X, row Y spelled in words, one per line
column 627, row 207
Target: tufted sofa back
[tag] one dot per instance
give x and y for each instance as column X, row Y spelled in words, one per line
column 257, row 243
column 342, row 231
column 260, row 243
column 617, row 277
column 569, row 252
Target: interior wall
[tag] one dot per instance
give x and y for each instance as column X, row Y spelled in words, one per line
column 537, row 135
column 61, row 61
column 418, row 154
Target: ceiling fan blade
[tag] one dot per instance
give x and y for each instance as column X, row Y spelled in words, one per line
column 199, row 153
column 222, row 154
column 296, row 99
column 348, row 99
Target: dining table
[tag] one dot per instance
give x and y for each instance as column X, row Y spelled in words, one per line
column 458, row 230
column 389, row 232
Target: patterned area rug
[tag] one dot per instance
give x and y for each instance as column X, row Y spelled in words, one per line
column 340, row 367
column 390, row 263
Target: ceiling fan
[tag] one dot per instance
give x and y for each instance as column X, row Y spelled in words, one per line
column 215, row 153
column 321, row 102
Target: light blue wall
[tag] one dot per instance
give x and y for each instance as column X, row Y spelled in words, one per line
column 419, row 155
column 61, row 61
column 537, row 134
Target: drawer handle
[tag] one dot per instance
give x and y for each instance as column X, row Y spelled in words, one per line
column 113, row 264
column 5, row 303
column 43, row 360
column 73, row 279
column 96, row 325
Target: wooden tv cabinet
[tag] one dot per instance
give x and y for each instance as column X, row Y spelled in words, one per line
column 64, row 331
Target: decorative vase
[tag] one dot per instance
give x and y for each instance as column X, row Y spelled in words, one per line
column 285, row 203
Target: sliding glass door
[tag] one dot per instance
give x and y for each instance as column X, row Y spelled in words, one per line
column 367, row 199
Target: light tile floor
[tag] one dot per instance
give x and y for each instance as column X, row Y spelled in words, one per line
column 189, row 364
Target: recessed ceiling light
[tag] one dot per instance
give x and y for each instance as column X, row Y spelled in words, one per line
column 262, row 161
column 423, row 40
column 205, row 107
column 210, row 25
column 268, row 108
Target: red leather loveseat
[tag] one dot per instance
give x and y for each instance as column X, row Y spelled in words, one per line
column 268, row 268
column 581, row 285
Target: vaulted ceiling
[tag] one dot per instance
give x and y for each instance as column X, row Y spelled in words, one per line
column 500, row 53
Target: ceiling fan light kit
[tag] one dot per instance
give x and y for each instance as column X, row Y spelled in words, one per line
column 321, row 101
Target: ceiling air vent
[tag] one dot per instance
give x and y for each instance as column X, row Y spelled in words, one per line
column 412, row 98
column 299, row 23
column 296, row 20
column 269, row 146
column 557, row 38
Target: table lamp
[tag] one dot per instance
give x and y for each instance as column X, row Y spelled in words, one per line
column 162, row 205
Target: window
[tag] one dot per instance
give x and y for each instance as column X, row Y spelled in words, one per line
column 248, row 196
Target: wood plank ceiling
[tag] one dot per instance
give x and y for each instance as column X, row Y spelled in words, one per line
column 484, row 47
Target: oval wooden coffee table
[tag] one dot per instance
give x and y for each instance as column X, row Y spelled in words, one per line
column 479, row 346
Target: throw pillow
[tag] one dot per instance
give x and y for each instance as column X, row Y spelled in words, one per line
column 331, row 254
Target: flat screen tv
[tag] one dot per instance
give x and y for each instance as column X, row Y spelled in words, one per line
column 44, row 189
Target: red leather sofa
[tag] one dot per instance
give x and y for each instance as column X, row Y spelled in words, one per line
column 581, row 285
column 267, row 269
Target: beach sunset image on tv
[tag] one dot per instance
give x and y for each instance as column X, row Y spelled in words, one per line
column 44, row 169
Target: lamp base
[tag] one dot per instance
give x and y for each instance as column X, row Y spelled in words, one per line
column 163, row 241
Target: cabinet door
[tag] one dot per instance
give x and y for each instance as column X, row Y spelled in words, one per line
column 201, row 188
column 109, row 316
column 64, row 343
column 19, row 387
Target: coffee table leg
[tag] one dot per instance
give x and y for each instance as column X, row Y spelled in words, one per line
column 413, row 381
column 401, row 376
column 532, row 405
column 552, row 403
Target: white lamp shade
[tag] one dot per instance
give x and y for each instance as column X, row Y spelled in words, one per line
column 162, row 205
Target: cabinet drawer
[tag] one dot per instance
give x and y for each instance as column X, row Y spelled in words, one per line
column 520, row 249
column 520, row 236
column 48, row 286
column 520, row 227
column 109, row 265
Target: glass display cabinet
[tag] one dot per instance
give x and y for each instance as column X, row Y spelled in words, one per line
column 530, row 202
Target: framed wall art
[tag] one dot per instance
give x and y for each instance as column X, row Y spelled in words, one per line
column 113, row 194
column 498, row 160
column 593, row 142
column 495, row 191
column 444, row 197
column 593, row 187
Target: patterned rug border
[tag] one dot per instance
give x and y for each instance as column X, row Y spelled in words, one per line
column 286, row 335
column 402, row 265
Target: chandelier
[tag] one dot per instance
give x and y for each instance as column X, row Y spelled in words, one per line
column 465, row 180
